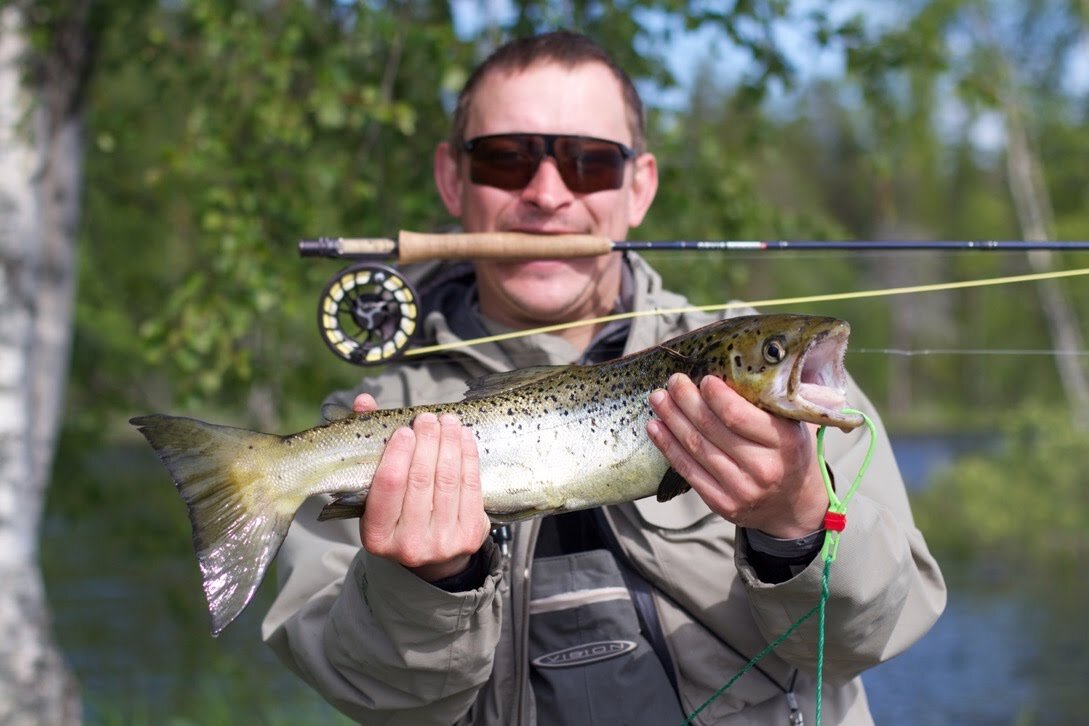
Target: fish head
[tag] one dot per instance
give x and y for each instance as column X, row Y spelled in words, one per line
column 792, row 365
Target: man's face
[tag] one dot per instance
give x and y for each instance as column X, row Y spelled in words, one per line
column 548, row 98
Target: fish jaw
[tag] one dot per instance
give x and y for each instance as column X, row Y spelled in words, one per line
column 814, row 388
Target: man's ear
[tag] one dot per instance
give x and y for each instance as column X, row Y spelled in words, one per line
column 448, row 178
column 644, row 185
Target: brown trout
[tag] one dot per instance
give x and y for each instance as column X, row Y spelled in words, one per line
column 551, row 439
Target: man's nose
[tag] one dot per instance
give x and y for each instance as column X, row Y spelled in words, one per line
column 547, row 189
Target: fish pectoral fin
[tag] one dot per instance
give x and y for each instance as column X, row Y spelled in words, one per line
column 347, row 505
column 493, row 383
column 679, row 357
column 672, row 485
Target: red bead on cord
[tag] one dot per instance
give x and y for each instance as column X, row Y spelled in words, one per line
column 834, row 521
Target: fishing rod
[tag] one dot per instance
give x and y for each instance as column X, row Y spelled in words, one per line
column 368, row 312
column 417, row 247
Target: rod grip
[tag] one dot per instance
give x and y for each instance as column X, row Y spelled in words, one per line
column 416, row 246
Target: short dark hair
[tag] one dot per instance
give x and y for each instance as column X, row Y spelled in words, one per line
column 564, row 48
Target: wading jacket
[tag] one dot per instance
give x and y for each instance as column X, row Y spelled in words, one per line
column 385, row 647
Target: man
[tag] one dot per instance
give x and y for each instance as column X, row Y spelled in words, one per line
column 630, row 614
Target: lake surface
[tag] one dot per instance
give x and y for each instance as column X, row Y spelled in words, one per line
column 130, row 616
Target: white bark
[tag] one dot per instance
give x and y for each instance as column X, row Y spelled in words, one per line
column 39, row 176
column 1033, row 206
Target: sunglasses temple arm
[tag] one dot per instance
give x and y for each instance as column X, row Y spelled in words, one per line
column 418, row 247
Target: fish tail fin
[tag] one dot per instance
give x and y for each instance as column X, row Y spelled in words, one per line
column 239, row 517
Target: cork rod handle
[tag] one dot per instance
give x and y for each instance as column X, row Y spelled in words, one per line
column 416, row 247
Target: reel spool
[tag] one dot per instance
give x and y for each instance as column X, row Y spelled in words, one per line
column 367, row 314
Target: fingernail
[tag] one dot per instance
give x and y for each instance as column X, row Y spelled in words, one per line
column 657, row 396
column 425, row 418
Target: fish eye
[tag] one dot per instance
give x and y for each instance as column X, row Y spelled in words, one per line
column 774, row 350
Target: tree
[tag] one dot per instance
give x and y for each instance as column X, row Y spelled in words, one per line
column 44, row 64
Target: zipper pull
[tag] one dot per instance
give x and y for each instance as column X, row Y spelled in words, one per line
column 796, row 718
column 501, row 536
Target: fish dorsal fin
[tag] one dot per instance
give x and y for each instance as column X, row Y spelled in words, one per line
column 493, row 383
column 672, row 485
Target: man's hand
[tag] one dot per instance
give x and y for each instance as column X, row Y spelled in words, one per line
column 424, row 509
column 755, row 469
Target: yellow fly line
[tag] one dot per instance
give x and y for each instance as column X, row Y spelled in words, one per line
column 772, row 302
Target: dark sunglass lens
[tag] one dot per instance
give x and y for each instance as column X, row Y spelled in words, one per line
column 506, row 162
column 590, row 165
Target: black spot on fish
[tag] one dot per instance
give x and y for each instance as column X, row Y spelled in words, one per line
column 737, row 361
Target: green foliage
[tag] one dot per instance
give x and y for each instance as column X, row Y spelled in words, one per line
column 1024, row 505
column 221, row 133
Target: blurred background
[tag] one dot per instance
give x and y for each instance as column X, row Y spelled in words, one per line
column 160, row 160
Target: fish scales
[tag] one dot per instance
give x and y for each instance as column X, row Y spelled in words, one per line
column 551, row 439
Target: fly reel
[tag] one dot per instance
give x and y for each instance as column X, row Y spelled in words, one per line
column 367, row 314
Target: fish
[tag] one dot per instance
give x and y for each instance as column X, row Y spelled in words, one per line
column 551, row 439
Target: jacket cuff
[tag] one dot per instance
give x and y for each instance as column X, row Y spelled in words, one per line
column 776, row 560
column 471, row 578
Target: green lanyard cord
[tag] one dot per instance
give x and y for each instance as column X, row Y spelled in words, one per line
column 835, row 520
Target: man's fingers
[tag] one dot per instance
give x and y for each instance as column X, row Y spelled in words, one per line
column 471, row 503
column 419, row 491
column 693, row 426
column 387, row 493
column 364, row 403
column 448, row 474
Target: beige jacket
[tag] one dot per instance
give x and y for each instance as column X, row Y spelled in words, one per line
column 385, row 647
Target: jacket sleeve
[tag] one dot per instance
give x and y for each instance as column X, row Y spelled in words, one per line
column 377, row 642
column 374, row 640
column 885, row 588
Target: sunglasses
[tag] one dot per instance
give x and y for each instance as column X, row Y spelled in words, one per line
column 509, row 161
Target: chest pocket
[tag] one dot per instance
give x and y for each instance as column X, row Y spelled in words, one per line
column 591, row 664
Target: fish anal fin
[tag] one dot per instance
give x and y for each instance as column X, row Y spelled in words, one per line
column 348, row 505
column 672, row 485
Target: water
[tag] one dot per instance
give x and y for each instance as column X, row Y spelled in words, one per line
column 922, row 456
column 129, row 614
column 1010, row 653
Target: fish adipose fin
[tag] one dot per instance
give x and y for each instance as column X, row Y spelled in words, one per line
column 227, row 478
column 336, row 411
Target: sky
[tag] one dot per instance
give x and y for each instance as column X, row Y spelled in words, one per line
column 692, row 49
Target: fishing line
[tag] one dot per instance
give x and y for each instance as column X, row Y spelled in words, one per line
column 771, row 302
column 971, row 351
column 835, row 521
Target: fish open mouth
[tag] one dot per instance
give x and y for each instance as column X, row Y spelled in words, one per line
column 818, row 380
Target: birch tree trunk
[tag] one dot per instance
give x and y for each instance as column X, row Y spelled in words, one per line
column 40, row 176
column 1033, row 206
